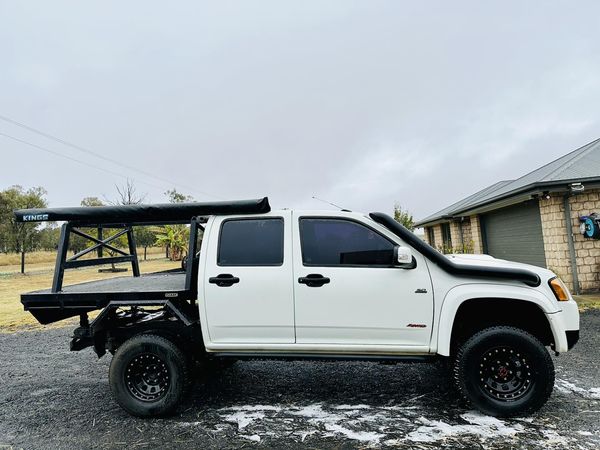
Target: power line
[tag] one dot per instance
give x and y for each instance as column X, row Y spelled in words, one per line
column 98, row 155
column 74, row 159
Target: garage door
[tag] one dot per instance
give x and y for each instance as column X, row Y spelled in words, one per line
column 515, row 233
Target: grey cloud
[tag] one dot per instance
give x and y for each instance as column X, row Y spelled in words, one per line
column 363, row 103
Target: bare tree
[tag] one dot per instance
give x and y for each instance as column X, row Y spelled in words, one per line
column 127, row 194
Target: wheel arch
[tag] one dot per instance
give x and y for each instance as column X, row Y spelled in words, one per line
column 470, row 308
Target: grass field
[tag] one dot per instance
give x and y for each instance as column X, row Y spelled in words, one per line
column 42, row 260
column 12, row 285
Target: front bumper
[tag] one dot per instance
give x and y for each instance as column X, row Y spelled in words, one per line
column 565, row 326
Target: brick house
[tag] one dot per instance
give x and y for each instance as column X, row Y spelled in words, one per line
column 533, row 219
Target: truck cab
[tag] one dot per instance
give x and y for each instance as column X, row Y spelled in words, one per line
column 331, row 285
column 311, row 280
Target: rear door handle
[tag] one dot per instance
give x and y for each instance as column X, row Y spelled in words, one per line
column 224, row 280
column 314, row 280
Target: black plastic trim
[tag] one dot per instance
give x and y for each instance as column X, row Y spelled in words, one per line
column 523, row 275
column 572, row 338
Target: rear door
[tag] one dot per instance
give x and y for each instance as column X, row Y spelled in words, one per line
column 248, row 290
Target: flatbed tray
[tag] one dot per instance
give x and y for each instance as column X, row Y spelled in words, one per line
column 84, row 297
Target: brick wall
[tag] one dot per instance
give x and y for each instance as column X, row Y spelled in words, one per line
column 554, row 231
column 427, row 235
column 476, row 234
column 437, row 234
column 461, row 242
column 455, row 235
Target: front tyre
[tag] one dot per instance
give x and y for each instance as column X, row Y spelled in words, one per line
column 149, row 376
column 504, row 372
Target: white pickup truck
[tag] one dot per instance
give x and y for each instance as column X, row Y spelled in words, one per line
column 262, row 284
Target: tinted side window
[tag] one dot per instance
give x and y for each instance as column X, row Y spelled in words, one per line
column 251, row 242
column 334, row 242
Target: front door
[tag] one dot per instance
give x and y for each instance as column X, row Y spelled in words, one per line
column 347, row 292
column 248, row 290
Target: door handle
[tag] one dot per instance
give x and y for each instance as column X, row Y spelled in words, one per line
column 224, row 280
column 314, row 280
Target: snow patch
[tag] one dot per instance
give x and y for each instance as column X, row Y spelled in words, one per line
column 244, row 418
column 478, row 425
column 316, row 415
column 375, row 425
column 352, row 407
column 253, row 438
column 567, row 387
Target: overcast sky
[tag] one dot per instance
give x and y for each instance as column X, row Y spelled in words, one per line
column 361, row 103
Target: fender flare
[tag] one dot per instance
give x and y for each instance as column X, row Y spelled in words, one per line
column 464, row 292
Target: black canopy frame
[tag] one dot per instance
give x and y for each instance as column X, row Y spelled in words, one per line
column 59, row 303
column 74, row 262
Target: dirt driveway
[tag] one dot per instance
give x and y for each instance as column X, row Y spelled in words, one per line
column 52, row 398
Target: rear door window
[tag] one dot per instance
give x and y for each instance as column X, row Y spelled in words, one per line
column 251, row 242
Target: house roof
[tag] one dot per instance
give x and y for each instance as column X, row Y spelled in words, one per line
column 580, row 164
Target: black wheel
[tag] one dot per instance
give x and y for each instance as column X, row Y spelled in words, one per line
column 149, row 376
column 504, row 372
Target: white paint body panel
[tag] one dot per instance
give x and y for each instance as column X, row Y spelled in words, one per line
column 363, row 305
column 260, row 308
column 361, row 311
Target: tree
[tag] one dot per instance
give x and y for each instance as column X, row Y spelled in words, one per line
column 178, row 197
column 92, row 201
column 145, row 237
column 20, row 237
column 175, row 238
column 403, row 217
column 49, row 237
column 127, row 195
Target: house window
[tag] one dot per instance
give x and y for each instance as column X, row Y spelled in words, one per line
column 446, row 237
column 431, row 236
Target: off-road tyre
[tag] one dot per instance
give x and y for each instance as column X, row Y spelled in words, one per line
column 504, row 372
column 149, row 376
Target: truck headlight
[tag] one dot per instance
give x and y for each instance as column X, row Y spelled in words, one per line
column 560, row 290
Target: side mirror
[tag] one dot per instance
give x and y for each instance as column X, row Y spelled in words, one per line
column 404, row 258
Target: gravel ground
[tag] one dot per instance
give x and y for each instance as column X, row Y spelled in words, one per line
column 52, row 398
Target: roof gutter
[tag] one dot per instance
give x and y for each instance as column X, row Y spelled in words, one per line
column 524, row 192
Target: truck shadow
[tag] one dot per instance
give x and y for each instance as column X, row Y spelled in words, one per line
column 335, row 382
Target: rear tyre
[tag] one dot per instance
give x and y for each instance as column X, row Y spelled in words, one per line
column 504, row 372
column 149, row 376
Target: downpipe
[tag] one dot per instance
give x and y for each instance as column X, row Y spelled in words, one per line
column 572, row 253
